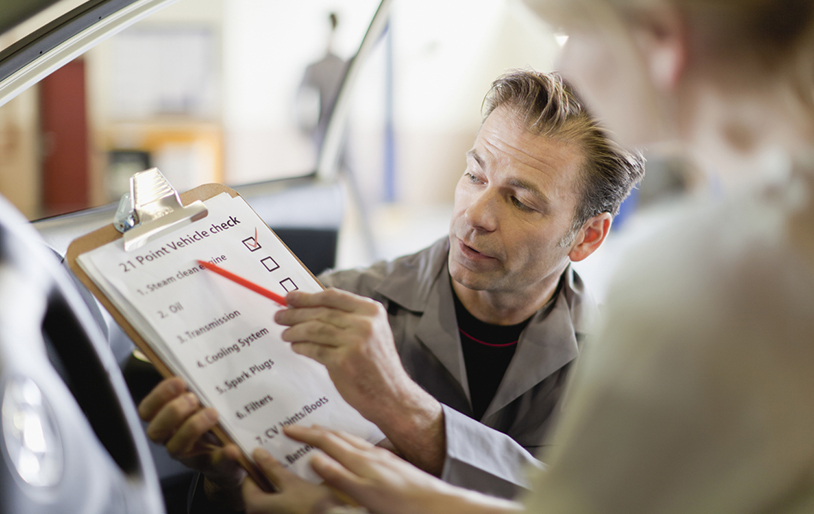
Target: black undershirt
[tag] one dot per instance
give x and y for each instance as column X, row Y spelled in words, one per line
column 487, row 349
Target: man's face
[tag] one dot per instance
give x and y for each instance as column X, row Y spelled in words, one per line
column 513, row 205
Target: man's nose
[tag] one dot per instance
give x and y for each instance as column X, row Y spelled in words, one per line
column 482, row 212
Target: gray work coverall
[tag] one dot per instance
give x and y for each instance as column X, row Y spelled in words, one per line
column 488, row 455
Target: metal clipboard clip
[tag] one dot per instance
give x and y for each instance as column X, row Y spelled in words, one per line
column 152, row 208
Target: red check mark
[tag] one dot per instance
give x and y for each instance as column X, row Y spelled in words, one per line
column 255, row 238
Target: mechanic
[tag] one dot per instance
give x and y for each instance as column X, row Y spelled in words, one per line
column 698, row 396
column 459, row 353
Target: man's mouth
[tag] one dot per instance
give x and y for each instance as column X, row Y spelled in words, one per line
column 471, row 252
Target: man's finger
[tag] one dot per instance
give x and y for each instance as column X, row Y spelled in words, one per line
column 320, row 353
column 333, row 298
column 171, row 417
column 296, row 315
column 314, row 332
column 163, row 393
column 181, row 444
column 231, row 452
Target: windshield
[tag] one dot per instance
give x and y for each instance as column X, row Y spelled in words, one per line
column 205, row 90
column 34, row 13
column 237, row 92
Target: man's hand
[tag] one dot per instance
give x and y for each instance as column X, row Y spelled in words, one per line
column 382, row 482
column 294, row 496
column 177, row 421
column 351, row 336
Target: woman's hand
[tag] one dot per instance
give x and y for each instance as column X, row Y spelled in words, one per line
column 384, row 483
column 294, row 496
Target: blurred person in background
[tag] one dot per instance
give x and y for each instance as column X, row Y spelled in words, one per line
column 319, row 88
column 699, row 397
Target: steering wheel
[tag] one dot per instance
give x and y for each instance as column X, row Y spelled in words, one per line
column 70, row 438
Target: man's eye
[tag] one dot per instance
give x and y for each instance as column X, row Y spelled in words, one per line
column 520, row 205
column 472, row 178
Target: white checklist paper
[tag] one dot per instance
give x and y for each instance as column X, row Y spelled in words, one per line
column 221, row 337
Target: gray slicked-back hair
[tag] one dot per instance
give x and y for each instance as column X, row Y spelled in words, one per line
column 549, row 107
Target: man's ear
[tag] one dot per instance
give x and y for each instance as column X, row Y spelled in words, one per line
column 591, row 236
column 661, row 36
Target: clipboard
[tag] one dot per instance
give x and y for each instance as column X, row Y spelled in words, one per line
column 154, row 209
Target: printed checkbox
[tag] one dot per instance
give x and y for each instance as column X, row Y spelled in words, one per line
column 251, row 244
column 269, row 263
column 288, row 285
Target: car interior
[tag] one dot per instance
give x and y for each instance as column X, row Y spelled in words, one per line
column 69, row 377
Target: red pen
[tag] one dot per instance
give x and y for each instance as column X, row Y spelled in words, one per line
column 243, row 282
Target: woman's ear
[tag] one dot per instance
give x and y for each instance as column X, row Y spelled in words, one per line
column 661, row 35
column 591, row 236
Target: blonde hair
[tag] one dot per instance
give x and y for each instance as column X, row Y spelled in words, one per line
column 774, row 37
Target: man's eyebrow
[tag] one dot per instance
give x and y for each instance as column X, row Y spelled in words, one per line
column 531, row 188
column 474, row 156
column 514, row 182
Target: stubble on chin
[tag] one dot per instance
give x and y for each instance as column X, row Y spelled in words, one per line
column 465, row 277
